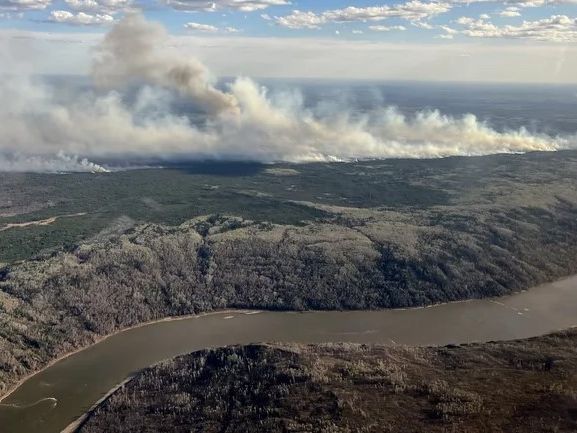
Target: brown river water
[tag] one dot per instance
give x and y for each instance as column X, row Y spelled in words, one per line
column 50, row 400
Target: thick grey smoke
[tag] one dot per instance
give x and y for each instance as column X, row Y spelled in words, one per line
column 244, row 122
column 60, row 163
column 137, row 51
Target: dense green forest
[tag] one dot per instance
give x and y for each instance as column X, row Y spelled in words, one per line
column 520, row 386
column 377, row 234
column 275, row 193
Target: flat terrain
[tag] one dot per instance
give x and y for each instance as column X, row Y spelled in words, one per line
column 521, row 386
column 279, row 193
column 147, row 244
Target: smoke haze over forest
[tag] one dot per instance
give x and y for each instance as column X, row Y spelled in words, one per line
column 129, row 113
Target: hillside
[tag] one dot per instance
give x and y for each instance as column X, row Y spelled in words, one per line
column 520, row 386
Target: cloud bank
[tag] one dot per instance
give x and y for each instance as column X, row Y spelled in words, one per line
column 80, row 18
column 99, row 6
column 24, row 5
column 557, row 28
column 213, row 6
column 245, row 122
column 414, row 10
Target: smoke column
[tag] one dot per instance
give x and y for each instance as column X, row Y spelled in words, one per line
column 42, row 131
column 136, row 51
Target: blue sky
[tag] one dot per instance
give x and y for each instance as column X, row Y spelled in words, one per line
column 394, row 21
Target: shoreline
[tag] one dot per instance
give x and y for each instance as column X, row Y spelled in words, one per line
column 107, row 336
column 98, row 340
column 79, row 422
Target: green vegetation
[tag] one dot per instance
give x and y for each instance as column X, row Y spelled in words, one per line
column 520, row 386
column 167, row 196
column 257, row 192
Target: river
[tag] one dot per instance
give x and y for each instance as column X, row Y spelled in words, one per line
column 50, row 400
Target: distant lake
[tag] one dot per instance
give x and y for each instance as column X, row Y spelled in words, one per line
column 50, row 400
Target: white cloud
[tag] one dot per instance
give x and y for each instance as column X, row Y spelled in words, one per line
column 301, row 20
column 449, row 31
column 207, row 28
column 357, row 32
column 80, row 19
column 510, row 12
column 414, row 10
column 423, row 25
column 519, row 3
column 215, row 5
column 386, row 28
column 197, row 27
column 23, row 5
column 99, row 6
column 557, row 28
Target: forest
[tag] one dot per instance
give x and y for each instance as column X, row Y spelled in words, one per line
column 520, row 386
column 495, row 226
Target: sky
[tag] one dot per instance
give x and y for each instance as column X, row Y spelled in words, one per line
column 445, row 40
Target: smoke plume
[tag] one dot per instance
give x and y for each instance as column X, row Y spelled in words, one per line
column 137, row 51
column 60, row 163
column 40, row 126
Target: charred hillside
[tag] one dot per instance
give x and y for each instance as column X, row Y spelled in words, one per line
column 520, row 386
